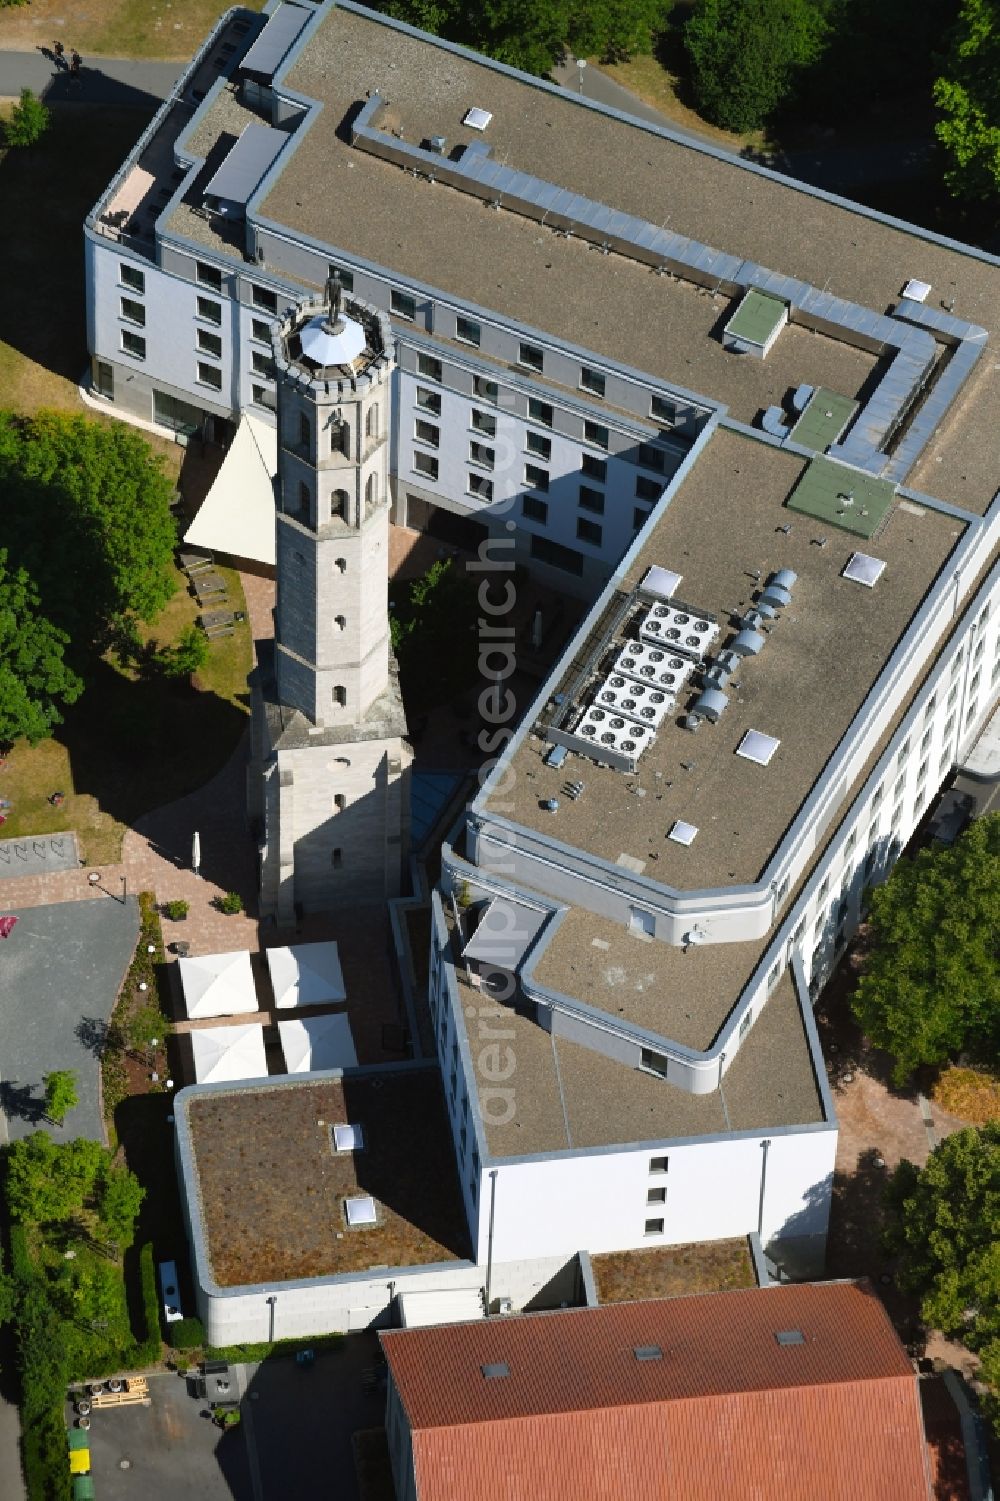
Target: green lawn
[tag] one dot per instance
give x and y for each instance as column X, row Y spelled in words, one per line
column 168, row 29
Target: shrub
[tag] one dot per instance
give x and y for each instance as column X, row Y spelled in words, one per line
column 231, row 903
column 60, row 1094
column 28, row 121
column 187, row 1334
column 177, row 910
column 150, row 1350
column 189, row 654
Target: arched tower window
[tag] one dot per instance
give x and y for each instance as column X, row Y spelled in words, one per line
column 340, row 696
column 370, row 495
column 371, row 422
column 339, row 802
column 305, row 497
column 340, row 564
column 339, row 502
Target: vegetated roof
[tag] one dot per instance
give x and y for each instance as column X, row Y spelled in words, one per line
column 757, row 317
column 794, row 1392
column 842, row 497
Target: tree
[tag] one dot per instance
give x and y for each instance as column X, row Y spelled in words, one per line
column 35, row 680
column 968, row 96
column 746, row 56
column 60, row 1094
column 28, row 121
column 614, row 28
column 433, row 632
column 119, row 1199
column 945, row 1227
column 49, row 1181
column 184, row 658
column 87, row 513
column 931, row 983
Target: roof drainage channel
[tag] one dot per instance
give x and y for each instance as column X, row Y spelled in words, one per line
column 477, row 173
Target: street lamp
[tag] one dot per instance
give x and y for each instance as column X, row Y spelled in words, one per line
column 581, row 63
column 270, row 1303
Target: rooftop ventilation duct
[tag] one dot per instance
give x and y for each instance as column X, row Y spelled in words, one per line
column 748, row 643
column 710, row 704
column 775, row 595
column 785, row 578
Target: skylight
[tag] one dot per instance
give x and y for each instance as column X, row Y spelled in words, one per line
column 662, row 582
column 496, row 1371
column 476, row 118
column 348, row 1138
column 862, row 569
column 790, row 1337
column 360, row 1211
column 647, row 1352
column 757, row 747
column 682, row 833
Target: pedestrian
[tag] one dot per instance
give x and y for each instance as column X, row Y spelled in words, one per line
column 74, row 63
column 59, row 52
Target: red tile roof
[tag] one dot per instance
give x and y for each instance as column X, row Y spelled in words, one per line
column 725, row 1411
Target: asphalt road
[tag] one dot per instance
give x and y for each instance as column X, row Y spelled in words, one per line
column 106, row 80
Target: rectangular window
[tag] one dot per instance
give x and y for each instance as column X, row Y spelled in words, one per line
column 596, row 433
column 539, row 411
column 133, row 344
column 930, row 706
column 592, row 381
column 904, row 751
column 639, row 518
column 647, row 489
column 403, row 305
column 429, row 401
column 544, row 550
column 974, row 685
column 480, row 454
column 589, row 531
column 922, row 772
column 426, row 432
column 262, row 397
column 133, row 311
column 209, row 310
column 652, row 458
column 209, row 343
column 209, row 276
column 468, row 331
column 263, row 364
column 346, row 277
column 949, row 726
column 592, row 500
column 480, row 486
column 952, row 695
column 594, row 468
column 209, row 375
column 980, row 648
column 659, row 1164
column 662, row 410
column 425, row 463
column 265, row 298
column 428, row 366
column 539, row 445
column 484, row 422
column 531, row 356
column 970, row 716
column 897, row 791
column 486, row 390
column 945, row 761
column 654, row 1227
column 538, row 479
column 260, row 331
column 534, row 510
column 131, row 276
column 926, row 740
column 656, row 1196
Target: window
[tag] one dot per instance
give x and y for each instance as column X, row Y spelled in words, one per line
column 589, row 531
column 639, row 518
column 656, row 1196
column 104, row 379
column 952, row 695
column 534, row 510
column 974, row 685
column 659, row 1164
column 486, row 390
column 904, row 751
column 430, row 367
column 305, row 430
column 210, row 343
column 591, row 500
column 539, row 445
column 338, row 859
column 209, row 375
column 531, row 356
column 425, row 464
column 970, row 716
column 945, row 761
column 208, row 276
column 371, row 422
column 426, row 432
column 371, row 496
column 930, row 706
column 956, row 663
column 131, row 276
column 263, row 364
column 652, row 458
column 339, row 502
column 346, row 277
column 592, row 381
column 468, row 331
column 134, row 345
column 484, row 422
column 305, row 497
column 596, row 433
column 340, row 621
column 429, row 401
column 260, row 331
column 133, row 311
column 594, row 468
column 340, row 696
column 539, row 411
column 263, row 297
column 980, row 648
column 897, row 791
column 403, row 305
column 926, row 740
column 544, row 550
column 537, row 478
column 209, row 310
column 647, row 489
column 662, row 410
column 481, row 487
column 480, row 454
column 654, row 1227
column 922, row 772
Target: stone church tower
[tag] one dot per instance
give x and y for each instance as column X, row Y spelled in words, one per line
column 328, row 789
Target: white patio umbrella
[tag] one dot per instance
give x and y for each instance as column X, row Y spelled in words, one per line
column 218, row 984
column 196, row 852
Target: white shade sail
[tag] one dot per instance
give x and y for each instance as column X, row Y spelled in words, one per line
column 218, row 985
column 222, row 1053
column 317, row 1042
column 237, row 514
column 306, row 974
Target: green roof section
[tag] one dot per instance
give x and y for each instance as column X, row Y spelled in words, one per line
column 757, row 318
column 842, row 497
column 824, row 418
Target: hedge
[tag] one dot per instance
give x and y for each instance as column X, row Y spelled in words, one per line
column 186, row 1334
column 42, row 1367
column 149, row 1351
